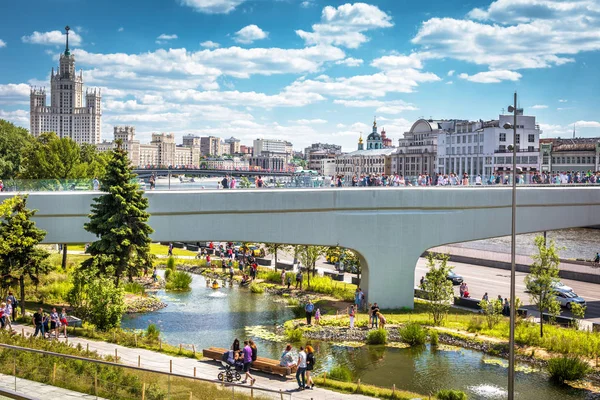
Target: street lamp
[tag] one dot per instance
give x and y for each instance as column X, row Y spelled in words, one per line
column 513, row 237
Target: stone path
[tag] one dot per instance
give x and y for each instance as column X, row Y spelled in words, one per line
column 40, row 390
column 204, row 369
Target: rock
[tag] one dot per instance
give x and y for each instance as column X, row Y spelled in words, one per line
column 144, row 304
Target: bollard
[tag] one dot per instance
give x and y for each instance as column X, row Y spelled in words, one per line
column 114, row 337
column 144, row 391
column 135, row 337
column 194, row 349
column 281, row 394
column 23, row 332
column 159, row 344
column 194, row 372
column 96, row 384
column 393, row 390
column 170, row 366
column 251, row 389
column 87, row 348
column 54, row 373
column 139, row 361
column 116, row 356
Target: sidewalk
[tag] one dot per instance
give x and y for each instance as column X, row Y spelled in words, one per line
column 204, row 369
column 40, row 390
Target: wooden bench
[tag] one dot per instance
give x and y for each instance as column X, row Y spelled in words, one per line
column 261, row 364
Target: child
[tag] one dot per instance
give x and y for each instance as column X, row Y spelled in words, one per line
column 317, row 316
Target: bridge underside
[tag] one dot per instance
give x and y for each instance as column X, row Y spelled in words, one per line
column 389, row 228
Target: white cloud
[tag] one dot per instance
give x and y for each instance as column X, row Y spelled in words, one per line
column 209, row 44
column 283, row 99
column 2, row 43
column 587, row 124
column 14, row 90
column 17, row 117
column 515, row 34
column 350, row 62
column 451, row 72
column 165, row 36
column 492, row 76
column 309, row 121
column 306, row 4
column 398, row 61
column 382, row 107
column 121, row 29
column 450, row 83
column 212, row 6
column 249, row 34
column 562, row 100
column 343, row 26
column 539, row 106
column 52, row 38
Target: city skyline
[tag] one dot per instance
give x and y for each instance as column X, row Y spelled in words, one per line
column 312, row 71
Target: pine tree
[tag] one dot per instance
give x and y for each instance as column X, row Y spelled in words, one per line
column 20, row 256
column 119, row 219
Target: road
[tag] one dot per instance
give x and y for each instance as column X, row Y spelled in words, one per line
column 497, row 282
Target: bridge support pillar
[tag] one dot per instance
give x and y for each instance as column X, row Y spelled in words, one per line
column 388, row 276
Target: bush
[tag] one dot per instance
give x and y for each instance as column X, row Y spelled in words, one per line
column 567, row 368
column 168, row 273
column 475, row 325
column 256, row 288
column 134, row 288
column 413, row 334
column 340, row 373
column 434, row 338
column 179, row 280
column 55, row 292
column 97, row 300
column 171, row 264
column 294, row 335
column 152, row 332
column 377, row 336
column 451, row 395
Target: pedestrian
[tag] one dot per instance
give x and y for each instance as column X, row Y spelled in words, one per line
column 289, row 282
column 96, row 184
column 301, row 371
column 462, row 289
column 357, row 297
column 248, row 363
column 231, row 272
column 254, row 350
column 421, row 282
column 382, row 320
column 309, row 308
column 154, row 275
column 299, row 279
column 8, row 312
column 597, row 258
column 485, row 297
column 38, row 322
column 283, row 277
column 170, row 251
column 374, row 319
column 500, row 298
column 14, row 303
column 2, row 318
column 310, row 364
column 317, row 316
column 506, row 308
column 54, row 322
column 63, row 321
column 351, row 314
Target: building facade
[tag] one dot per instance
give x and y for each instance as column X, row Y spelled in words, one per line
column 577, row 154
column 232, row 146
column 69, row 113
column 416, row 152
column 210, row 146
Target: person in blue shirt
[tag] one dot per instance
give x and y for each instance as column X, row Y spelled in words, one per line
column 310, row 307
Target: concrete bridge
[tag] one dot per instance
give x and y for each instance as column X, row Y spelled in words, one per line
column 389, row 227
column 148, row 172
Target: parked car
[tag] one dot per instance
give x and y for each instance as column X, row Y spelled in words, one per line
column 256, row 251
column 562, row 287
column 455, row 278
column 567, row 298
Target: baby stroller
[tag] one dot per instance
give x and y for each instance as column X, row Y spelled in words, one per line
column 232, row 368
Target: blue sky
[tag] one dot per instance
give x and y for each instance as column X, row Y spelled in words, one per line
column 310, row 70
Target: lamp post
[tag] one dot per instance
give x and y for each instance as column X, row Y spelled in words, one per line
column 513, row 236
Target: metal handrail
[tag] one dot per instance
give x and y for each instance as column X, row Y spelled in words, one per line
column 112, row 364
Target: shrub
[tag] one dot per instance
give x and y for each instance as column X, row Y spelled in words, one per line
column 256, row 288
column 171, row 264
column 377, row 336
column 54, row 292
column 340, row 373
column 413, row 334
column 294, row 335
column 179, row 280
column 475, row 325
column 492, row 310
column 152, row 332
column 135, row 288
column 451, row 395
column 567, row 368
column 168, row 273
column 434, row 338
column 98, row 300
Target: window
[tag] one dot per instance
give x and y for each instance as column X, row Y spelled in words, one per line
column 518, row 138
column 481, row 149
column 531, row 138
column 502, row 148
column 578, row 160
column 533, row 160
column 530, row 148
column 470, row 139
column 465, row 139
column 503, row 137
column 469, row 150
column 499, row 160
column 453, row 139
column 553, row 160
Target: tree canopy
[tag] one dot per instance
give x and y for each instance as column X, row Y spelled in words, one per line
column 13, row 140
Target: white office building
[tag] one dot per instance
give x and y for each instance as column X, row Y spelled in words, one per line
column 67, row 115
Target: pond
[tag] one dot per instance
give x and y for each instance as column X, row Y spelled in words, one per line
column 207, row 317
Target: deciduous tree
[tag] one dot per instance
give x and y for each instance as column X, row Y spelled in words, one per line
column 439, row 289
column 274, row 249
column 309, row 256
column 13, row 140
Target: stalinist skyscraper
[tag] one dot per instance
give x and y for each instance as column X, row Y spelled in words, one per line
column 66, row 115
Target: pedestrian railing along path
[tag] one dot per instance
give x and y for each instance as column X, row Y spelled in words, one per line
column 16, row 388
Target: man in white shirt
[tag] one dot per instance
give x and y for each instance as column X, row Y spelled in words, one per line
column 301, row 371
column 478, row 180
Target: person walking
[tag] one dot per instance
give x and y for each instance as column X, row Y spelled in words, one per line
column 8, row 312
column 351, row 314
column 382, row 320
column 54, row 322
column 283, row 277
column 301, row 371
column 13, row 301
column 310, row 364
column 374, row 319
column 299, row 279
column 318, row 316
column 310, row 307
column 38, row 322
column 485, row 297
column 248, row 363
column 170, row 251
column 64, row 322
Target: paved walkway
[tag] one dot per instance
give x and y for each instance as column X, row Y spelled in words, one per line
column 40, row 390
column 204, row 369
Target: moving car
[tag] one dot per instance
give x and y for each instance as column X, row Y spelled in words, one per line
column 562, row 287
column 567, row 298
column 455, row 278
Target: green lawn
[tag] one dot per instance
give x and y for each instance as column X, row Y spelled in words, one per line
column 155, row 248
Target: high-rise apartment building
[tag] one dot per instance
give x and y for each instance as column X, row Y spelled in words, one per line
column 66, row 115
column 232, row 146
column 210, row 146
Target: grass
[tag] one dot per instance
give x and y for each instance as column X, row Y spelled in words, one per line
column 318, row 284
column 256, row 288
column 567, row 368
column 377, row 336
column 134, row 288
column 368, row 390
column 340, row 373
column 179, row 281
column 451, row 395
column 413, row 334
column 294, row 335
column 434, row 338
column 162, row 250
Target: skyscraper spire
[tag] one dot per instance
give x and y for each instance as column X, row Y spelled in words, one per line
column 67, row 52
column 573, row 130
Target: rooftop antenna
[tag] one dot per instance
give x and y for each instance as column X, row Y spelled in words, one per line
column 67, row 48
column 502, row 110
column 573, row 130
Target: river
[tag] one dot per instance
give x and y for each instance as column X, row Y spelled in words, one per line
column 206, row 317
